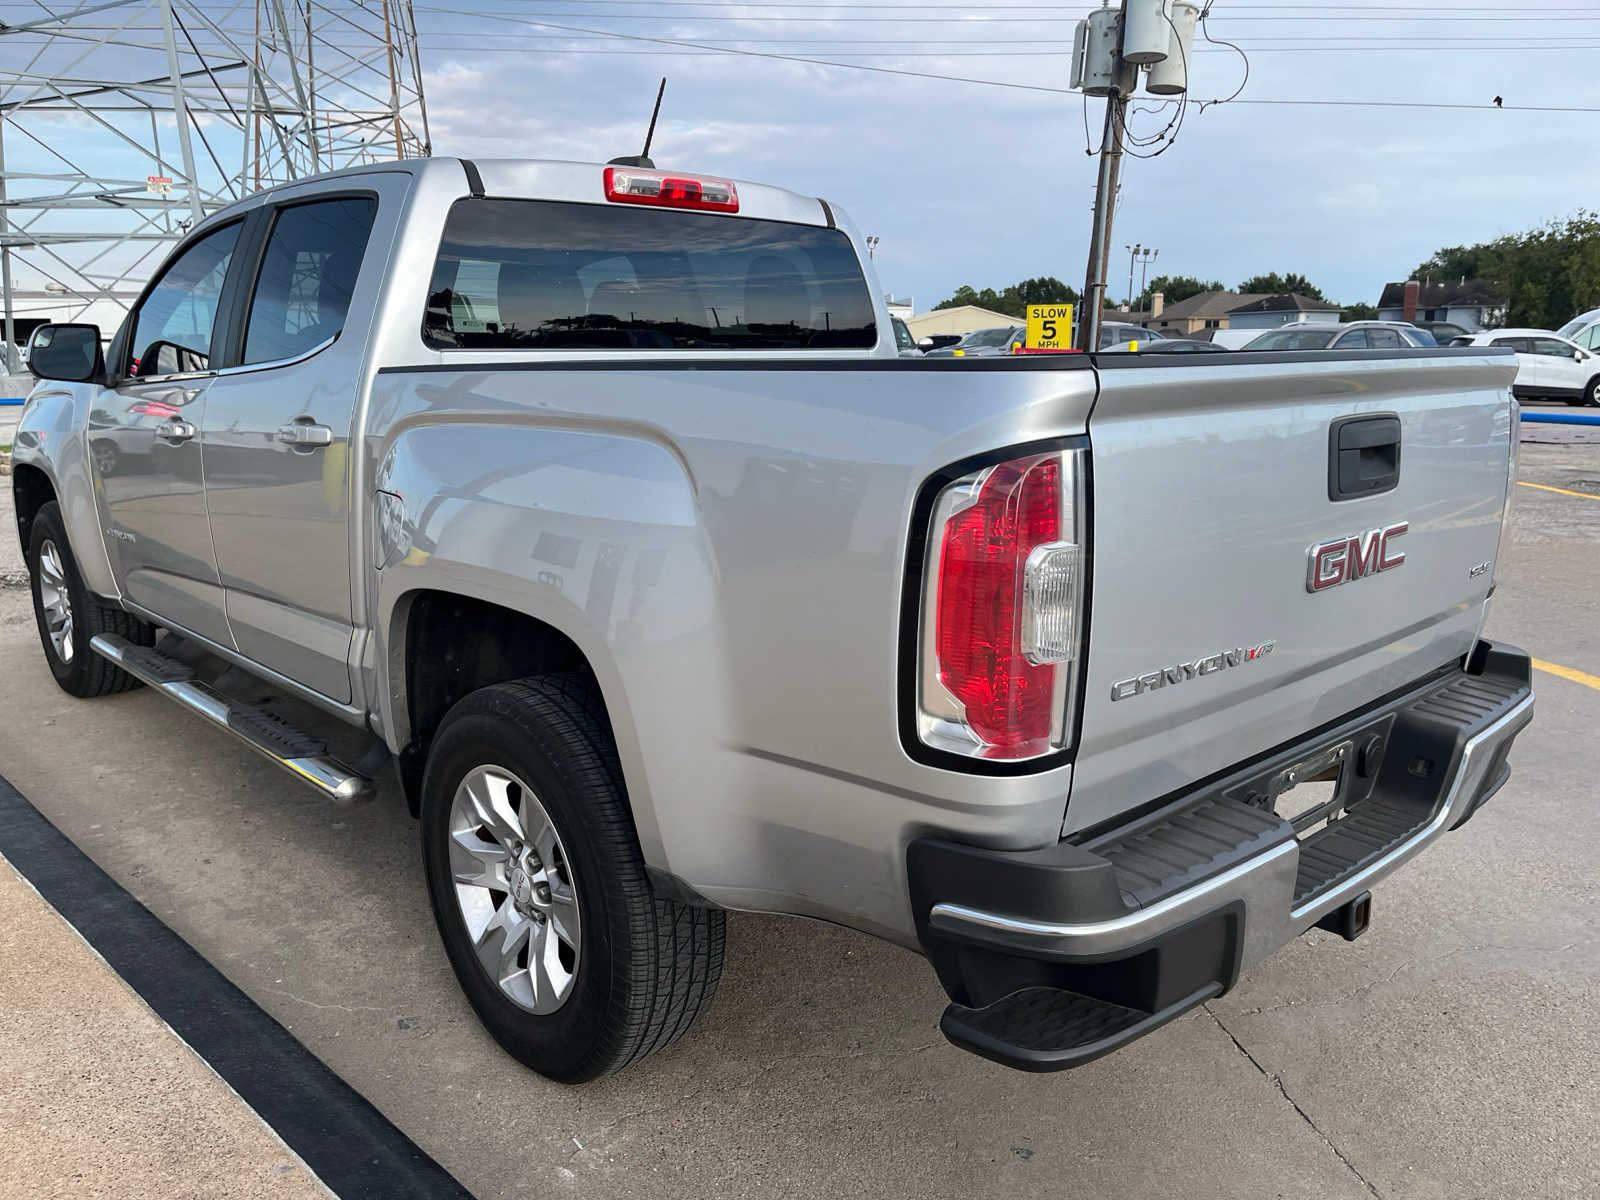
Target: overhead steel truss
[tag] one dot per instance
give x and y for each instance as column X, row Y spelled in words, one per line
column 123, row 122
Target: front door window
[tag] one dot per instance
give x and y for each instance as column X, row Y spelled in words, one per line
column 173, row 328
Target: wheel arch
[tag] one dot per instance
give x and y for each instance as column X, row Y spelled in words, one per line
column 31, row 490
column 446, row 640
column 51, row 441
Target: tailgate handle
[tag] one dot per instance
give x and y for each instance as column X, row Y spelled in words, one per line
column 1363, row 456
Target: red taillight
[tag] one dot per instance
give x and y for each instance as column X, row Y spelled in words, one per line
column 1000, row 632
column 631, row 185
column 979, row 629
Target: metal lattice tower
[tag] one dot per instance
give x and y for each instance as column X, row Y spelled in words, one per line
column 123, row 122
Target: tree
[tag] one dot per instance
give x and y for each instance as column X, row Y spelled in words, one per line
column 1014, row 300
column 1174, row 288
column 1359, row 312
column 1278, row 285
column 1547, row 275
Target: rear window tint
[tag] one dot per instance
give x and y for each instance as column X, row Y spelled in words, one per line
column 548, row 275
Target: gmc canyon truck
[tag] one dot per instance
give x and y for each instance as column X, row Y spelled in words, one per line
column 601, row 499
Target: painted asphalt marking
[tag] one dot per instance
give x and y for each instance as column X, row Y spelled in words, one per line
column 1583, row 677
column 1545, row 487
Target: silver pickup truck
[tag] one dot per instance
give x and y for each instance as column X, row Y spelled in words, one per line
column 599, row 497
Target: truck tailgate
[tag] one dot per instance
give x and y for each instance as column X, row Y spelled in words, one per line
column 1211, row 491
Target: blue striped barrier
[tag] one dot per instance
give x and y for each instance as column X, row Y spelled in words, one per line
column 1560, row 418
column 13, row 399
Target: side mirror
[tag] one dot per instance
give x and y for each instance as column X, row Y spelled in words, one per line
column 69, row 353
column 925, row 343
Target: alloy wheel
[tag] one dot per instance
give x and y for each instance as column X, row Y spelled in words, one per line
column 56, row 601
column 515, row 889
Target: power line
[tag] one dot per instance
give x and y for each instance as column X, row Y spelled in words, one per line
column 1026, row 87
column 478, row 46
column 983, row 18
column 1296, row 12
column 1313, row 41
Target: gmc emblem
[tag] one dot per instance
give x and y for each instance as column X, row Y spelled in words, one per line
column 1344, row 559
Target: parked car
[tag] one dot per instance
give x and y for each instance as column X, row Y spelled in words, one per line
column 982, row 343
column 1549, row 366
column 1442, row 331
column 937, row 341
column 1230, row 339
column 1348, row 335
column 1114, row 333
column 904, row 342
column 1165, row 346
column 755, row 618
column 1583, row 330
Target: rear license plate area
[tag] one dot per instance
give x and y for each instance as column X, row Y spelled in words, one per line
column 1310, row 793
column 1311, row 788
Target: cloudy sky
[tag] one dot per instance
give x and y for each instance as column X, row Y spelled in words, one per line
column 967, row 183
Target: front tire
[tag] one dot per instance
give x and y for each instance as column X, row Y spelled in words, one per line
column 1591, row 394
column 538, row 886
column 69, row 614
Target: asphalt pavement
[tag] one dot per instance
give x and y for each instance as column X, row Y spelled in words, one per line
column 1449, row 1052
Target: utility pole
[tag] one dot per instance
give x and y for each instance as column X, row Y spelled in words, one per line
column 1110, row 48
column 1105, row 198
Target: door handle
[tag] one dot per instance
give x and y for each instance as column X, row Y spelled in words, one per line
column 175, row 431
column 305, row 435
column 1363, row 456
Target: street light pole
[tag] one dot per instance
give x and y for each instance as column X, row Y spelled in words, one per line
column 1149, row 257
column 1133, row 256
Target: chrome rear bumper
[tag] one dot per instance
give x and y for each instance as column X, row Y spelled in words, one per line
column 1153, row 917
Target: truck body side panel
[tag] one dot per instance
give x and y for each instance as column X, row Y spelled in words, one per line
column 52, row 436
column 726, row 543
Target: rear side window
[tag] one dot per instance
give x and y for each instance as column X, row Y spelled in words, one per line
column 302, row 293
column 548, row 275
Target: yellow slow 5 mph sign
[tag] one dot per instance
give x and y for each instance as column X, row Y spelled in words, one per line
column 1049, row 327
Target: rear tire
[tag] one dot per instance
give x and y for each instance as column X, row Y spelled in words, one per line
column 1591, row 394
column 523, row 797
column 69, row 614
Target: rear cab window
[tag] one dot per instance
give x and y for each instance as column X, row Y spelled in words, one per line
column 553, row 275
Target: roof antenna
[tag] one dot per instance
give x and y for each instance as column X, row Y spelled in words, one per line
column 643, row 160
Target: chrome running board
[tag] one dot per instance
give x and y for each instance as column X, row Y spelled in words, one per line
column 292, row 749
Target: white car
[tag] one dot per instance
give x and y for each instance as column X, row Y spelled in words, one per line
column 1548, row 365
column 1345, row 335
column 1583, row 329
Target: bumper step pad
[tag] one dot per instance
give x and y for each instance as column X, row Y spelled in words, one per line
column 1048, row 1029
column 1376, row 826
column 1055, row 956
